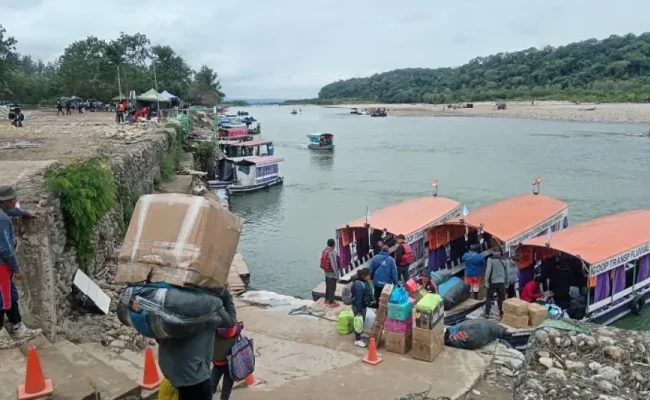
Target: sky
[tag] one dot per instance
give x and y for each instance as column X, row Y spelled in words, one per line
column 291, row 48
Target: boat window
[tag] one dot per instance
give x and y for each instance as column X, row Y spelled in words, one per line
column 264, row 150
column 246, row 169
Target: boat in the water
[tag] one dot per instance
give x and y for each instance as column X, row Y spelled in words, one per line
column 321, row 141
column 236, row 150
column 504, row 225
column 255, row 173
column 355, row 111
column 238, row 132
column 294, row 112
column 412, row 218
column 378, row 112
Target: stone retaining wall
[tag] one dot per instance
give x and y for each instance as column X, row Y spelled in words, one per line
column 47, row 263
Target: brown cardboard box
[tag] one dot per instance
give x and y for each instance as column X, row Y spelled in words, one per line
column 419, row 294
column 399, row 342
column 386, row 292
column 515, row 321
column 515, row 306
column 428, row 319
column 428, row 343
column 182, row 239
column 537, row 313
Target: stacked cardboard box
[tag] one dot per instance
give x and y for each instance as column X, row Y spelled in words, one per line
column 428, row 334
column 537, row 313
column 380, row 317
column 515, row 313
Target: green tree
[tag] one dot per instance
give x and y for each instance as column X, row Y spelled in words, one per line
column 206, row 88
column 173, row 73
column 8, row 60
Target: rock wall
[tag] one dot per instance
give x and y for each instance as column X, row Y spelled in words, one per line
column 597, row 362
column 48, row 264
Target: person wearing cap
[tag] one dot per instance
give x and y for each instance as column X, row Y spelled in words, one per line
column 427, row 283
column 9, row 269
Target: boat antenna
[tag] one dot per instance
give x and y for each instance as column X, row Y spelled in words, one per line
column 434, row 184
column 536, row 183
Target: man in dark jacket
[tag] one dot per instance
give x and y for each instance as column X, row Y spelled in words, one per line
column 362, row 296
column 496, row 280
column 383, row 270
column 186, row 362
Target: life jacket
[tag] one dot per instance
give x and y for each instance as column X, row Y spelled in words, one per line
column 120, row 107
column 325, row 263
column 408, row 256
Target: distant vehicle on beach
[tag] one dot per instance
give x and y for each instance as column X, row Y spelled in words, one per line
column 321, row 141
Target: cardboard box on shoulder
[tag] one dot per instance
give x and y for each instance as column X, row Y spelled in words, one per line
column 181, row 239
column 537, row 313
column 515, row 306
column 428, row 343
column 398, row 342
column 515, row 321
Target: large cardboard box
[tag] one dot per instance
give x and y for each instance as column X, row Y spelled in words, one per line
column 398, row 342
column 428, row 343
column 515, row 321
column 429, row 319
column 181, row 239
column 515, row 306
column 537, row 313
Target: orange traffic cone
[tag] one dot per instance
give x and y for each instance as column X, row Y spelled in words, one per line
column 150, row 377
column 36, row 386
column 252, row 381
column 372, row 357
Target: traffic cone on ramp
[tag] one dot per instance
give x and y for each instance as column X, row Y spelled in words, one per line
column 150, row 377
column 252, row 381
column 35, row 386
column 372, row 357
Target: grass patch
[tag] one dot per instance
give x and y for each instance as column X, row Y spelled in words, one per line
column 204, row 152
column 87, row 192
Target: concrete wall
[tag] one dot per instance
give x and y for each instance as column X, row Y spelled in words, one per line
column 48, row 264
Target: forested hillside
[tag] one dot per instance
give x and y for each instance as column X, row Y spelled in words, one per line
column 89, row 68
column 613, row 69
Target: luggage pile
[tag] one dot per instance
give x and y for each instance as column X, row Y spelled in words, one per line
column 380, row 318
column 429, row 330
column 520, row 314
column 453, row 291
column 399, row 322
column 175, row 259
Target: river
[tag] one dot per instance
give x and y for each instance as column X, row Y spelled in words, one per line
column 596, row 168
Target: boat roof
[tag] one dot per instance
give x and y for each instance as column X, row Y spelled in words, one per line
column 509, row 218
column 262, row 160
column 603, row 242
column 317, row 134
column 249, row 143
column 410, row 216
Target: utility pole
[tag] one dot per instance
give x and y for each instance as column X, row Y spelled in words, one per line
column 157, row 92
column 119, row 83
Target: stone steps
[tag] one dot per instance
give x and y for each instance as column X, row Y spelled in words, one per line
column 78, row 372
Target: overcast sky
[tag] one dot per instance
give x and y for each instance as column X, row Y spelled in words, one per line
column 291, row 48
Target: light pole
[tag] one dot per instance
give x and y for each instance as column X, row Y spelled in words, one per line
column 153, row 63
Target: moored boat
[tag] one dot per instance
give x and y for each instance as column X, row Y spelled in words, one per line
column 321, row 141
column 236, row 150
column 255, row 173
column 413, row 218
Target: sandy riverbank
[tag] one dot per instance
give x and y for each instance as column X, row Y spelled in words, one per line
column 553, row 110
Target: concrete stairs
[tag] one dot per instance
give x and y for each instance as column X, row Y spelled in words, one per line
column 78, row 372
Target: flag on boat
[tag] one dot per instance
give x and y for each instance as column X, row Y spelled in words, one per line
column 537, row 181
column 465, row 211
column 434, row 183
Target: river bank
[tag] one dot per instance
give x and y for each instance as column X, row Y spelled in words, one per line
column 633, row 113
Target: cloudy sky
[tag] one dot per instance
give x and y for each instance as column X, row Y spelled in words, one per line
column 290, row 48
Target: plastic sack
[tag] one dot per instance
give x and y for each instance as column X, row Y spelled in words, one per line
column 344, row 322
column 429, row 302
column 163, row 311
column 473, row 334
column 399, row 296
column 167, row 391
column 443, row 287
column 369, row 320
column 456, row 294
column 555, row 312
column 400, row 312
column 440, row 276
column 357, row 324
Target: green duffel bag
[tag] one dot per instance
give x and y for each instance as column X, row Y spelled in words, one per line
column 345, row 322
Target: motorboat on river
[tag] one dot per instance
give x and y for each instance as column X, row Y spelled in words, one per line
column 321, row 141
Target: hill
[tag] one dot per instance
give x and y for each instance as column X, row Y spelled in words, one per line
column 613, row 69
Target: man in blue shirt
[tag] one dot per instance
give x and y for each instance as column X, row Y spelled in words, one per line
column 9, row 269
column 474, row 263
column 383, row 270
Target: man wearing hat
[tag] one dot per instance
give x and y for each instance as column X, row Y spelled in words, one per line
column 10, row 269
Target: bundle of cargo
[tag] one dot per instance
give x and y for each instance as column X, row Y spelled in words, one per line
column 537, row 314
column 515, row 313
column 175, row 259
column 429, row 330
column 399, row 322
column 380, row 318
column 454, row 291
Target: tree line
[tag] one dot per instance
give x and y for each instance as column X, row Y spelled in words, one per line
column 89, row 69
column 613, row 69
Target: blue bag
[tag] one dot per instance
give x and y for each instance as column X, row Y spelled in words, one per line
column 399, row 296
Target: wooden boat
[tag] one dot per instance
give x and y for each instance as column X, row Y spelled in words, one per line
column 236, row 150
column 413, row 218
column 294, row 112
column 504, row 224
column 255, row 173
column 234, row 132
column 354, row 111
column 321, row 141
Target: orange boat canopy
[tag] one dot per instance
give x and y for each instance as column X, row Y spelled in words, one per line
column 511, row 220
column 604, row 243
column 411, row 216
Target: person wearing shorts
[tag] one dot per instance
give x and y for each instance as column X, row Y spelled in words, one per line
column 474, row 263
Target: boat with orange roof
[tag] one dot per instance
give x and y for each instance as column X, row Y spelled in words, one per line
column 413, row 218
